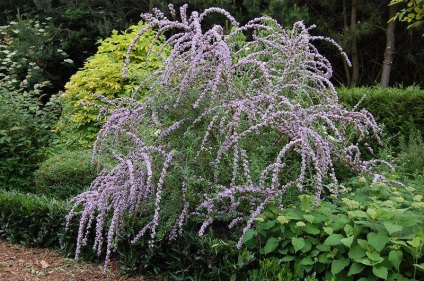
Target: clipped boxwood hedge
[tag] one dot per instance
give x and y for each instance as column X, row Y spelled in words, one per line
column 399, row 110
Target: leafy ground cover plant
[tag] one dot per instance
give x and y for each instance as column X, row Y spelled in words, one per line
column 225, row 131
column 371, row 233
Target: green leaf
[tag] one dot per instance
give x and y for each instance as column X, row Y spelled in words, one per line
column 268, row 225
column 323, row 258
column 323, row 248
column 305, row 203
column 347, row 241
column 287, row 258
column 380, row 271
column 333, row 239
column 355, row 268
column 249, row 235
column 298, row 243
column 307, row 261
column 365, row 261
column 271, row 245
column 374, row 256
column 419, row 266
column 416, row 242
column 395, row 257
column 377, row 240
column 391, row 227
column 349, row 230
column 339, row 265
column 309, row 218
column 311, row 229
column 356, row 252
column 328, row 230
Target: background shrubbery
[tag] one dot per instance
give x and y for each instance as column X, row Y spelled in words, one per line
column 25, row 134
column 400, row 111
column 65, row 175
column 369, row 232
column 102, row 77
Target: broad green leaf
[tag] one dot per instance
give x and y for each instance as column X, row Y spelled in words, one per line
column 328, row 230
column 359, row 214
column 307, row 247
column 323, row 258
column 365, row 261
column 340, row 223
column 287, row 258
column 372, row 213
column 249, row 235
column 373, row 256
column 395, row 257
column 356, row 252
column 347, row 241
column 355, row 268
column 380, row 271
column 311, row 229
column 333, row 239
column 307, row 261
column 268, row 225
column 309, row 218
column 298, row 243
column 339, row 265
column 323, row 248
column 391, row 227
column 349, row 230
column 416, row 242
column 271, row 245
column 377, row 240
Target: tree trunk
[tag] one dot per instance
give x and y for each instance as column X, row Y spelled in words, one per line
column 151, row 5
column 390, row 49
column 354, row 46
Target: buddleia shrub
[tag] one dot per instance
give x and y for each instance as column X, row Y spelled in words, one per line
column 101, row 76
column 225, row 130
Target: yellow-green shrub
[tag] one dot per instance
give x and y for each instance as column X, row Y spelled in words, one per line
column 102, row 76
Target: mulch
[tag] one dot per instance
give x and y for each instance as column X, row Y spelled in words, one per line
column 18, row 263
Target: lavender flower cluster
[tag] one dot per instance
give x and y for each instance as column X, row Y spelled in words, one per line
column 226, row 95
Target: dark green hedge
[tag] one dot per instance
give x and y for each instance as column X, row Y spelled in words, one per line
column 34, row 220
column 399, row 110
column 38, row 221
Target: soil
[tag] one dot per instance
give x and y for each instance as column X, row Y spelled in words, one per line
column 18, row 263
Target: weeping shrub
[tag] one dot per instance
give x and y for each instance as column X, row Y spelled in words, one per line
column 226, row 129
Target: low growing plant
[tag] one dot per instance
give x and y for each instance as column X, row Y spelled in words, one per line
column 375, row 232
column 225, row 131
